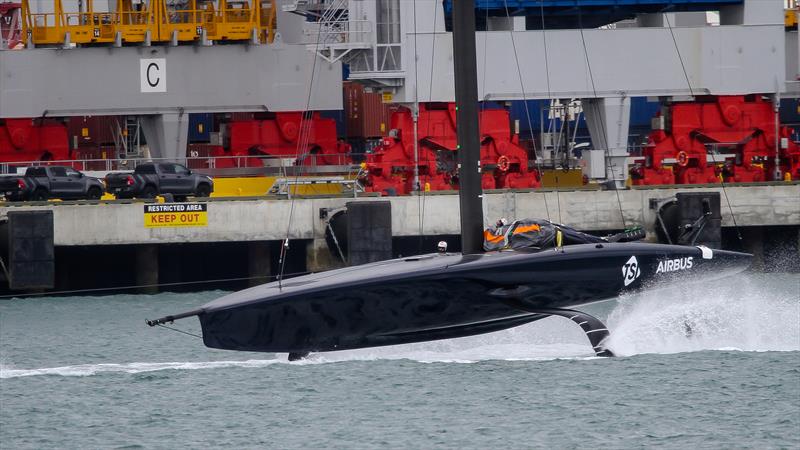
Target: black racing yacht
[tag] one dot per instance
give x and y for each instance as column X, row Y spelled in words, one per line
column 446, row 295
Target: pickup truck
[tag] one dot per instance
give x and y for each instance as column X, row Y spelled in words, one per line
column 42, row 183
column 151, row 179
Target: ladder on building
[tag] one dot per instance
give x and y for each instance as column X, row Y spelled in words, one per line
column 332, row 33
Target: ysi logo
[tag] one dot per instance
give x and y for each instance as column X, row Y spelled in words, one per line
column 631, row 271
column 674, row 265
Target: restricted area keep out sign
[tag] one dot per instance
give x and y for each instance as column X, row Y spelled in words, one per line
column 176, row 215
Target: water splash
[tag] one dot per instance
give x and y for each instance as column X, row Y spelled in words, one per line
column 745, row 314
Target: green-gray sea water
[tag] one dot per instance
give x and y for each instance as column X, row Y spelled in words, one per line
column 711, row 366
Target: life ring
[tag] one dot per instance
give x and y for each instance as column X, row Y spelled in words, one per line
column 683, row 158
column 503, row 163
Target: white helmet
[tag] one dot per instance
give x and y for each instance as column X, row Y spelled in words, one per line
column 442, row 247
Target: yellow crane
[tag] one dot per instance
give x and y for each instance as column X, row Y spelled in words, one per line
column 140, row 21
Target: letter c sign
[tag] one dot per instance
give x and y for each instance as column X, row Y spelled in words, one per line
column 153, row 75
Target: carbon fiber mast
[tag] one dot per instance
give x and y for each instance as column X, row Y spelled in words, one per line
column 467, row 127
column 470, row 192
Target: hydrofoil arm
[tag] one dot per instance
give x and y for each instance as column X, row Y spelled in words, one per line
column 595, row 330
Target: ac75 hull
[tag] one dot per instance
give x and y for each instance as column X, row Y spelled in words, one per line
column 446, row 296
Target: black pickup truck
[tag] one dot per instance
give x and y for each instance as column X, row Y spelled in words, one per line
column 151, row 179
column 42, row 183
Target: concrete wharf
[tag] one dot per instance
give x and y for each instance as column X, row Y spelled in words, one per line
column 254, row 227
column 264, row 218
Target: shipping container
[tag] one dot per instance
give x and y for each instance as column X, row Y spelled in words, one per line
column 198, row 155
column 94, row 131
column 642, row 111
column 366, row 116
column 790, row 112
column 200, row 127
column 236, row 116
column 94, row 158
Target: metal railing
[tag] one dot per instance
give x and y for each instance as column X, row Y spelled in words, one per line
column 357, row 33
column 155, row 21
column 281, row 164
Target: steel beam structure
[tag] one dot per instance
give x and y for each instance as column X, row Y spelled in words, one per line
column 719, row 60
column 164, row 79
column 163, row 84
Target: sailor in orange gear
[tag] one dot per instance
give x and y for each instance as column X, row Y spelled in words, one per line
column 497, row 237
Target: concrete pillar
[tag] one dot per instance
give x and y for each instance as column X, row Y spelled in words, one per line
column 320, row 258
column 147, row 268
column 259, row 263
column 608, row 120
column 752, row 12
column 31, row 250
column 369, row 232
column 167, row 135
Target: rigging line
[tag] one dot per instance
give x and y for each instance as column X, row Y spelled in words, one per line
column 141, row 286
column 415, row 117
column 482, row 100
column 180, row 331
column 525, row 100
column 594, row 104
column 423, row 192
column 691, row 91
column 483, row 89
column 680, row 57
column 302, row 142
column 546, row 59
column 550, row 96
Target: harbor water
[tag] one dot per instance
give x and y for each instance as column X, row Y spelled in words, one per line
column 704, row 366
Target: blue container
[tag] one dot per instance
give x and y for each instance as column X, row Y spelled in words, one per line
column 518, row 111
column 642, row 111
column 200, row 125
column 570, row 14
column 790, row 112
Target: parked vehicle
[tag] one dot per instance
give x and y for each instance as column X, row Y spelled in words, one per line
column 149, row 180
column 42, row 183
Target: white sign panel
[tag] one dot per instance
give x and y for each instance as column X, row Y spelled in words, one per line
column 153, row 75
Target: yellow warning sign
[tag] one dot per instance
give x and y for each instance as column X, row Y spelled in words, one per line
column 387, row 97
column 176, row 215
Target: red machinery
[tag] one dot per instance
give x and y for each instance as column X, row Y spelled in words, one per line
column 33, row 140
column 390, row 169
column 10, row 24
column 738, row 129
column 286, row 134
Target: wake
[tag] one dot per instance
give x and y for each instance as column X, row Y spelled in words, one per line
column 84, row 370
column 751, row 313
